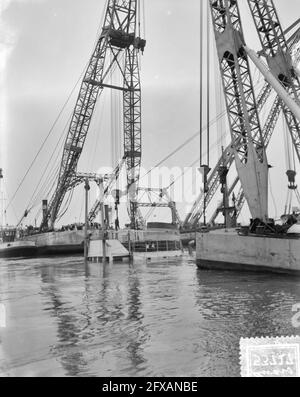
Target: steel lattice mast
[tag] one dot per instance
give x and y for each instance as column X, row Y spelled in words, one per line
column 277, row 54
column 118, row 35
column 246, row 134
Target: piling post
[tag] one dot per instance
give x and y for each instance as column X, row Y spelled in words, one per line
column 86, row 221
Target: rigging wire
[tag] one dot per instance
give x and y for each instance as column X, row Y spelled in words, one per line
column 35, row 196
column 185, row 143
column 45, row 141
column 273, row 199
column 66, row 206
column 201, row 78
column 183, row 173
column 208, row 82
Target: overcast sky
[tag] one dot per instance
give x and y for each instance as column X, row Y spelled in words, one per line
column 44, row 47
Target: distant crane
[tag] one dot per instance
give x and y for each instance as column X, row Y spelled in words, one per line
column 118, row 37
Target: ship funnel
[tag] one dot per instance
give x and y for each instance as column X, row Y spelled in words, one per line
column 45, row 209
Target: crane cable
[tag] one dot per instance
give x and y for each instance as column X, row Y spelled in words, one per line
column 208, row 83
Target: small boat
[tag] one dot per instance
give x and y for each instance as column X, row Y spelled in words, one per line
column 229, row 249
column 11, row 248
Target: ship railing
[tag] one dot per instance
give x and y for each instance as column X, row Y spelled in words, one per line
column 154, row 246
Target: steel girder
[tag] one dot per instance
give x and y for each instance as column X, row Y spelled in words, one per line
column 237, row 82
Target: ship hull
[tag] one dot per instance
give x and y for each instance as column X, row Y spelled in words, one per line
column 227, row 250
column 17, row 250
column 59, row 243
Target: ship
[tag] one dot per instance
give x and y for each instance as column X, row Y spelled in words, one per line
column 158, row 240
column 57, row 242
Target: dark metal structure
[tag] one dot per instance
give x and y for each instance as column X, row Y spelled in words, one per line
column 117, row 47
column 277, row 50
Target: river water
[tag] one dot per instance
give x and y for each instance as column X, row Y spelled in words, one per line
column 157, row 319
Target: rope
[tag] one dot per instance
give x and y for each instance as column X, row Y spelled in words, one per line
column 208, row 83
column 185, row 143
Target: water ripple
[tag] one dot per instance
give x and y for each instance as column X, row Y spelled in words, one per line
column 164, row 319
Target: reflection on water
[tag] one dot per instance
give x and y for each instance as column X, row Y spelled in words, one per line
column 156, row 319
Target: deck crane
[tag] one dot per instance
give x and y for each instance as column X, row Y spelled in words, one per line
column 118, row 38
column 196, row 212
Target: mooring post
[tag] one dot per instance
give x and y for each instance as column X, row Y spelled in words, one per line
column 87, row 188
column 101, row 187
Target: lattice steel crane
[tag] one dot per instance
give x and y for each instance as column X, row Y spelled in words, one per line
column 197, row 210
column 227, row 159
column 118, row 37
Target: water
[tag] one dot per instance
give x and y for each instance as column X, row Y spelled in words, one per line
column 159, row 319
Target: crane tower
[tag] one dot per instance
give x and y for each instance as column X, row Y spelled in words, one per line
column 118, row 46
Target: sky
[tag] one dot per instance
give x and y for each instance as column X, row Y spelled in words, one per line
column 45, row 46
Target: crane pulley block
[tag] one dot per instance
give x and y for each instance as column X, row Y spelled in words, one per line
column 121, row 39
column 291, row 174
column 140, row 44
